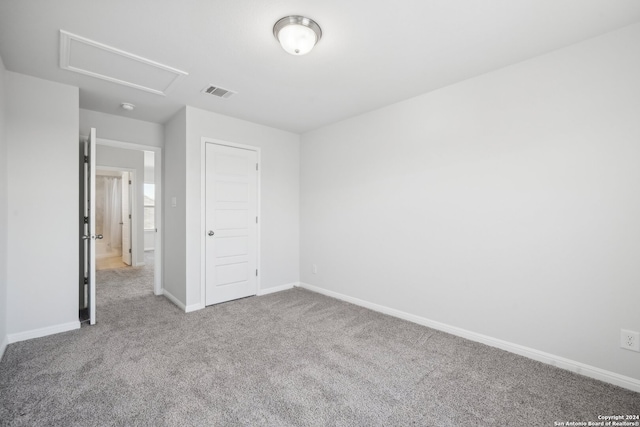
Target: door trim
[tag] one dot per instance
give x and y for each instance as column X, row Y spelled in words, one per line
column 203, row 214
column 158, row 284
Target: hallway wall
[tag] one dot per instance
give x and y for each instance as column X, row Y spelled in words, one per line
column 3, row 215
column 124, row 129
column 41, row 135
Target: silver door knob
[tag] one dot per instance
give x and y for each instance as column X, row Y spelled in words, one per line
column 99, row 237
column 210, row 233
column 85, row 237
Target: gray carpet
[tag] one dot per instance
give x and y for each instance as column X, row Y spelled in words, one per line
column 293, row 358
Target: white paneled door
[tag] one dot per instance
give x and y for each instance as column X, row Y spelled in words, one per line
column 231, row 234
column 90, row 224
column 126, row 218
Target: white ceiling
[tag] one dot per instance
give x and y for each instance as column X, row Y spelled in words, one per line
column 372, row 53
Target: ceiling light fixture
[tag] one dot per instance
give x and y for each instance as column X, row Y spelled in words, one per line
column 127, row 106
column 297, row 34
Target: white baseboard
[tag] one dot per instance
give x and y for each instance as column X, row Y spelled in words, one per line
column 193, row 307
column 551, row 359
column 173, row 299
column 176, row 301
column 3, row 346
column 43, row 332
column 200, row 306
column 273, row 289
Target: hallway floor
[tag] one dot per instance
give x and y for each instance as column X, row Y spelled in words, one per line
column 116, row 285
column 111, row 262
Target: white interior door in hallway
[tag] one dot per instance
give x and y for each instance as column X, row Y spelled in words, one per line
column 231, row 210
column 90, row 236
column 126, row 218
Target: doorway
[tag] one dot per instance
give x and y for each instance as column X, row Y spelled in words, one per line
column 114, row 217
column 128, row 245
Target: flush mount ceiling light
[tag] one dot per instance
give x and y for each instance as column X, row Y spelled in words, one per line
column 127, row 106
column 297, row 34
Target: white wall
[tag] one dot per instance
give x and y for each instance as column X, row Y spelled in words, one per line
column 149, row 240
column 3, row 215
column 149, row 178
column 42, row 152
column 279, row 218
column 507, row 205
column 128, row 159
column 149, row 167
column 174, row 241
column 123, row 129
column 280, row 196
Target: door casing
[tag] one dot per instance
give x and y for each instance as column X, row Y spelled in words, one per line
column 158, row 269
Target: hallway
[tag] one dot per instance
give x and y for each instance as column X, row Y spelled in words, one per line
column 116, row 285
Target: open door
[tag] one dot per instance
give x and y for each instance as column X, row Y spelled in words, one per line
column 126, row 218
column 90, row 224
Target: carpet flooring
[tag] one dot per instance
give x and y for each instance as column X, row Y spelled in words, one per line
column 292, row 358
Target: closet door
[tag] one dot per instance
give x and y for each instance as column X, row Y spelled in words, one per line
column 231, row 205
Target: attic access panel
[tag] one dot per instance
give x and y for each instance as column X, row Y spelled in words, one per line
column 98, row 60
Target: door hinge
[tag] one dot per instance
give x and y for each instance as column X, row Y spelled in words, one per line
column 256, row 220
column 86, row 220
column 129, row 216
column 129, row 182
column 129, row 250
column 86, row 280
column 256, row 166
column 86, row 159
column 256, row 271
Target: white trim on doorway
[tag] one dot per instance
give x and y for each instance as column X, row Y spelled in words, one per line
column 158, row 277
column 203, row 215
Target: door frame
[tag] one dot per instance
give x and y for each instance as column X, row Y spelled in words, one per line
column 158, row 283
column 134, row 212
column 203, row 212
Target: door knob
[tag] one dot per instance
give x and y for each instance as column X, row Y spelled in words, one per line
column 85, row 237
column 210, row 233
column 99, row 237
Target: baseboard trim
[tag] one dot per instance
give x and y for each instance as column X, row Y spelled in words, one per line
column 173, row 299
column 200, row 306
column 540, row 356
column 3, row 346
column 193, row 307
column 43, row 332
column 273, row 289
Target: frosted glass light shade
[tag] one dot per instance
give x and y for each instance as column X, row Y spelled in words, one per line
column 297, row 34
column 297, row 39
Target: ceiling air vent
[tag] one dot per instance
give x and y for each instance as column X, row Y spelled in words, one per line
column 218, row 91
